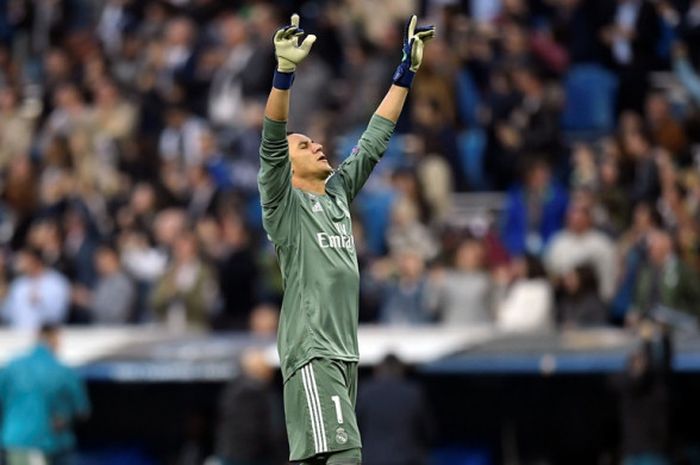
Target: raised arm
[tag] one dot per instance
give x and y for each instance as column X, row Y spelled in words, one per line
column 355, row 170
column 275, row 175
column 413, row 46
column 289, row 54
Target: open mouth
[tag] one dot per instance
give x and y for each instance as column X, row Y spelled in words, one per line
column 322, row 158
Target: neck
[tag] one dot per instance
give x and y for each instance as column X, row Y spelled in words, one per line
column 315, row 186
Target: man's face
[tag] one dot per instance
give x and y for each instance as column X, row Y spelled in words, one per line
column 578, row 219
column 660, row 247
column 307, row 157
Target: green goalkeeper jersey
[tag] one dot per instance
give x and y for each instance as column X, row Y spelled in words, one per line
column 315, row 247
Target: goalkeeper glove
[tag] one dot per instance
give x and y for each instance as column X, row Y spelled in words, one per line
column 413, row 44
column 289, row 52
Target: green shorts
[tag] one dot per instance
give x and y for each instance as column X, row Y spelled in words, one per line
column 319, row 407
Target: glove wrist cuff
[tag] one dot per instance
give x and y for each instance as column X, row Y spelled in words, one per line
column 403, row 77
column 283, row 80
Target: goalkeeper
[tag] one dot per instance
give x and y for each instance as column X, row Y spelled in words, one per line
column 306, row 213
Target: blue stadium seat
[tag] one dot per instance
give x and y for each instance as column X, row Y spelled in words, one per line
column 374, row 208
column 472, row 146
column 591, row 91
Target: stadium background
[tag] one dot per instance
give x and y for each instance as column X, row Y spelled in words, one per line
column 540, row 199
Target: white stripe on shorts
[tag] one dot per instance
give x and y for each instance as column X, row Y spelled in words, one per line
column 312, row 413
column 314, row 387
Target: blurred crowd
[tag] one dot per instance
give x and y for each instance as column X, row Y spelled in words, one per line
column 129, row 135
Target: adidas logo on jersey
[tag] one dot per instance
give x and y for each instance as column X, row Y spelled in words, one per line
column 317, row 207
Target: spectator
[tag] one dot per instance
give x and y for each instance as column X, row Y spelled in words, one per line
column 630, row 36
column 180, row 144
column 464, row 293
column 645, row 402
column 406, row 297
column 40, row 399
column 264, row 320
column 636, row 145
column 580, row 305
column 39, row 295
column 666, row 131
column 250, row 428
column 665, row 279
column 407, row 232
column 580, row 243
column 112, row 300
column 526, row 298
column 533, row 212
column 238, row 273
column 186, row 294
column 394, row 417
column 16, row 126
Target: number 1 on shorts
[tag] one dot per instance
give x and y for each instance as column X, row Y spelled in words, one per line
column 338, row 411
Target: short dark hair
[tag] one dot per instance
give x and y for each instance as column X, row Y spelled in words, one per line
column 48, row 329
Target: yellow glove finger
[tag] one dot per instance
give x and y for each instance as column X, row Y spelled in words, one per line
column 426, row 35
column 416, row 54
column 307, row 43
column 412, row 26
column 295, row 20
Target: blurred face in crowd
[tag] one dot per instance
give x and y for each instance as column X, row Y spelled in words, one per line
column 307, row 157
column 264, row 320
column 538, row 177
column 642, row 218
column 635, row 144
column 660, row 246
column 106, row 93
column 143, row 199
column 578, row 218
column 234, row 231
column 8, row 99
column 232, row 30
column 106, row 261
column 179, row 32
column 514, row 39
column 410, row 265
column 657, row 109
column 426, row 113
column 185, row 248
column 404, row 213
column 526, row 82
column 609, row 173
column 515, row 7
column 176, row 117
column 57, row 65
column 67, row 97
column 470, row 256
column 168, row 225
column 630, row 121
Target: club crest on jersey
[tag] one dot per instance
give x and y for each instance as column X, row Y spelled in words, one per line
column 341, row 436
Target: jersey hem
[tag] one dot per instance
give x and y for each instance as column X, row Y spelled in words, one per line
column 303, row 362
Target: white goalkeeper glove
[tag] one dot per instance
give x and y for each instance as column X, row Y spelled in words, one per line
column 287, row 48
